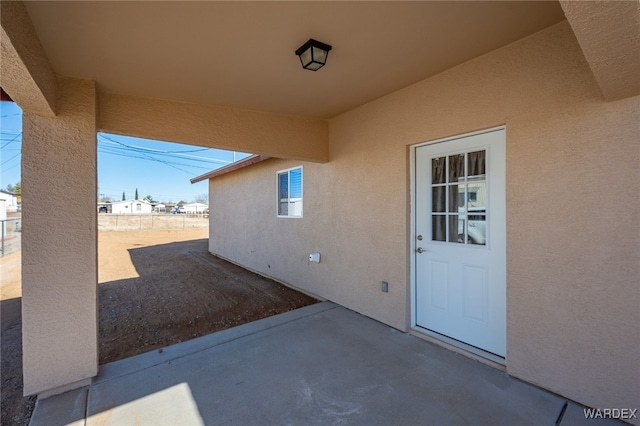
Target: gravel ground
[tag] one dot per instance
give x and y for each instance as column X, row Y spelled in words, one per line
column 156, row 288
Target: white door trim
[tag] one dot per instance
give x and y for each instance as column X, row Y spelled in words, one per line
column 412, row 258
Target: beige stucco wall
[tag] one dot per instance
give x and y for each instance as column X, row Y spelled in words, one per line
column 572, row 234
column 235, row 129
column 59, row 260
column 609, row 35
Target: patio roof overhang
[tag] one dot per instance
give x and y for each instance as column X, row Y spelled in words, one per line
column 240, row 55
column 204, row 70
column 208, row 56
column 206, row 65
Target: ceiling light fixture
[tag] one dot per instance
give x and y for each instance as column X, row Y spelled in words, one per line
column 313, row 54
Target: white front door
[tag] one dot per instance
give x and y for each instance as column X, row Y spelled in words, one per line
column 460, row 239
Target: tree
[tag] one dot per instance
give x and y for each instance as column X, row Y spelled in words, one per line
column 136, row 193
column 150, row 199
column 202, row 198
column 123, row 197
column 16, row 189
column 106, row 199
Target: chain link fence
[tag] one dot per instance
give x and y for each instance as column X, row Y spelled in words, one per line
column 11, row 231
column 132, row 222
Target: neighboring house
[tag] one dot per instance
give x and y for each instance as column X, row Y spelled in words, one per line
column 195, row 208
column 104, row 207
column 8, row 201
column 535, row 114
column 131, row 207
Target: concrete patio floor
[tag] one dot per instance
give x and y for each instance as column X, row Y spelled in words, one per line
column 318, row 365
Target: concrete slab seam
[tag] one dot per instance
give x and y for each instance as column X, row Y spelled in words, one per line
column 186, row 354
column 86, row 406
column 562, row 411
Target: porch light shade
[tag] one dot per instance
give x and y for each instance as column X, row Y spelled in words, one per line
column 313, row 54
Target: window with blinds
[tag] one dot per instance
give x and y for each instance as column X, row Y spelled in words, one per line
column 290, row 192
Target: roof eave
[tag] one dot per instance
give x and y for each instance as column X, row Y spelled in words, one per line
column 231, row 168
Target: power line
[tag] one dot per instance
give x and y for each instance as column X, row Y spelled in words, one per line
column 147, row 158
column 164, row 153
column 102, row 135
column 182, row 154
column 10, row 168
column 6, row 161
column 149, row 154
column 11, row 141
column 116, row 147
column 153, row 159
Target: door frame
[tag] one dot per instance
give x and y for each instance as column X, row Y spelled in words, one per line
column 438, row 338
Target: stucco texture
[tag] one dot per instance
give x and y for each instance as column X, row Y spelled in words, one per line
column 25, row 72
column 59, row 271
column 572, row 236
column 609, row 35
column 235, row 129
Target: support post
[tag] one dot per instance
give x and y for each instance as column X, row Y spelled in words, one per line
column 59, row 246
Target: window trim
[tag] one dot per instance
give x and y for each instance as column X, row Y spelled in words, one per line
column 288, row 172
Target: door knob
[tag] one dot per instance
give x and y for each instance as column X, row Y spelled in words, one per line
column 420, row 250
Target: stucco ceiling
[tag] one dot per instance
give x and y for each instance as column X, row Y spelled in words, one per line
column 241, row 54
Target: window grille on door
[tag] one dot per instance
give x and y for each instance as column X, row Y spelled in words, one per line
column 459, row 198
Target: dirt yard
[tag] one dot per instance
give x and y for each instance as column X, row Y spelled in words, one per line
column 156, row 288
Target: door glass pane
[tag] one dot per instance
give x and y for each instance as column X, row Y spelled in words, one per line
column 438, row 228
column 456, row 168
column 438, row 170
column 459, row 198
column 457, row 195
column 456, row 198
column 477, row 197
column 476, row 163
column 477, row 232
column 456, row 229
column 438, row 199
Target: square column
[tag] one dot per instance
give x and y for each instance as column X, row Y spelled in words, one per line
column 59, row 242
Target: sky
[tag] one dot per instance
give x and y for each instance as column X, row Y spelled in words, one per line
column 159, row 169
